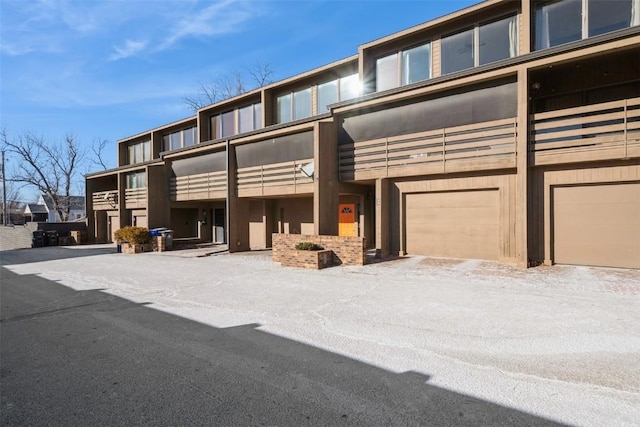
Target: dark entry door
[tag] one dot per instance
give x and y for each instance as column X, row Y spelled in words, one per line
column 219, row 224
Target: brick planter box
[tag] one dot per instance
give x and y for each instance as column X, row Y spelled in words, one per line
column 309, row 259
column 345, row 250
column 136, row 249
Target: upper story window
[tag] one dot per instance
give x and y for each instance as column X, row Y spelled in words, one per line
column 337, row 90
column 136, row 180
column 179, row 139
column 139, row 152
column 479, row 45
column 563, row 21
column 250, row 118
column 294, row 105
column 223, row 125
column 404, row 67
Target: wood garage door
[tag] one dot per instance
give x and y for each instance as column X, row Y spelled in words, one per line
column 458, row 224
column 597, row 225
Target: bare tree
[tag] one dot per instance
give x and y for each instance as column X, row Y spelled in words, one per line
column 230, row 85
column 98, row 147
column 50, row 168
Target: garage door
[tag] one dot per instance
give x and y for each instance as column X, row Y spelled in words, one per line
column 460, row 224
column 597, row 225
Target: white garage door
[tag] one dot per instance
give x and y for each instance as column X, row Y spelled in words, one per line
column 458, row 224
column 597, row 225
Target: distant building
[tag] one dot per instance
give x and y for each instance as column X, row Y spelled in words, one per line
column 34, row 212
column 44, row 211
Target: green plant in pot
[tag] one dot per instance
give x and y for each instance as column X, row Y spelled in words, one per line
column 308, row 246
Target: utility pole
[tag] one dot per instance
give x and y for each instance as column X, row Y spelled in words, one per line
column 4, row 194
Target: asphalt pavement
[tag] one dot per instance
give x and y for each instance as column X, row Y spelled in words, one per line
column 92, row 337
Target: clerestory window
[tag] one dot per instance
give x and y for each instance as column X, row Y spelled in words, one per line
column 139, row 152
column 403, row 67
column 337, row 90
column 294, row 105
column 564, row 21
column 484, row 43
column 180, row 139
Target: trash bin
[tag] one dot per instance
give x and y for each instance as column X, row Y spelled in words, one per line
column 155, row 232
column 168, row 239
column 51, row 238
column 37, row 239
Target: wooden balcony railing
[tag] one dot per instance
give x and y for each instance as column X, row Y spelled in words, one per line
column 209, row 185
column 488, row 145
column 135, row 198
column 609, row 130
column 105, row 200
column 274, row 179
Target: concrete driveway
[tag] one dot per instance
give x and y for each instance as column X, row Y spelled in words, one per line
column 562, row 343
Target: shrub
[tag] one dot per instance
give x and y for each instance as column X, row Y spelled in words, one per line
column 133, row 235
column 308, row 246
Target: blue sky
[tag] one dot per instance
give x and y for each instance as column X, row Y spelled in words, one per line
column 111, row 69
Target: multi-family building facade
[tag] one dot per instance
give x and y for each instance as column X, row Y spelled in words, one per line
column 508, row 131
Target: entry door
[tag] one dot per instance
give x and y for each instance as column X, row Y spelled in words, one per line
column 218, row 224
column 114, row 224
column 347, row 219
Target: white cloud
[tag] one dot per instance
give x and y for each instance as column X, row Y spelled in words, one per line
column 130, row 48
column 219, row 18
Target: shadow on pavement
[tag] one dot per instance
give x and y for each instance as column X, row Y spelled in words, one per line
column 52, row 253
column 89, row 358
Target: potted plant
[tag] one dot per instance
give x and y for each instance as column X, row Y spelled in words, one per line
column 134, row 240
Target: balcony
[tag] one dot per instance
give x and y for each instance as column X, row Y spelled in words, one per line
column 605, row 131
column 274, row 179
column 105, row 200
column 479, row 146
column 209, row 185
column 135, row 198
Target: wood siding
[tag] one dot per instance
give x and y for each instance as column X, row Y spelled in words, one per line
column 274, row 179
column 209, row 185
column 603, row 131
column 488, row 145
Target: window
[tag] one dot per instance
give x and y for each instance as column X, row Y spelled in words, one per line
column 350, row 87
column 498, row 40
column 302, row 104
column 387, row 72
column 180, row 139
column 457, row 52
column 250, row 118
column 560, row 22
column 414, row 66
column 294, row 106
column 139, row 152
column 482, row 44
column 189, row 136
column 337, row 90
column 136, row 180
column 606, row 16
column 327, row 94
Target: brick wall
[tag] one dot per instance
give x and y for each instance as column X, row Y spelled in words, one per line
column 346, row 250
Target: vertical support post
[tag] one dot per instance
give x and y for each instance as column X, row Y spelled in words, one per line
column 325, row 179
column 522, row 170
column 382, row 217
column 4, row 194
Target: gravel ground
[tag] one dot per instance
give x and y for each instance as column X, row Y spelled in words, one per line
column 560, row 342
